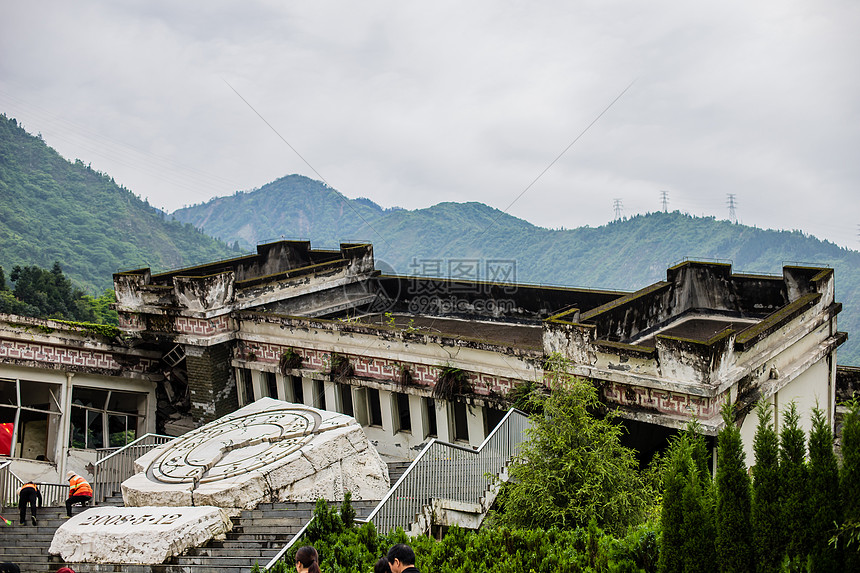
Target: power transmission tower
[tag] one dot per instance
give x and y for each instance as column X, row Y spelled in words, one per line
column 619, row 209
column 664, row 199
column 732, row 204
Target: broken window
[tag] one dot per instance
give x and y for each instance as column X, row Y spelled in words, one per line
column 460, row 421
column 346, row 399
column 271, row 384
column 402, row 417
column 374, row 407
column 104, row 418
column 29, row 418
column 430, row 417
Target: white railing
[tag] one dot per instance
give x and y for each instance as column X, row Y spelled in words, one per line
column 118, row 465
column 53, row 494
column 443, row 471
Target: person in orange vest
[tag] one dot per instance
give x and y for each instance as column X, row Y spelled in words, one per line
column 79, row 491
column 28, row 495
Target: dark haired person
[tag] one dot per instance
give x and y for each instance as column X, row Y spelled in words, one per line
column 381, row 566
column 29, row 494
column 401, row 559
column 307, row 560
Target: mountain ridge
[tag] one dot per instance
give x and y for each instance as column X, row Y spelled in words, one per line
column 626, row 254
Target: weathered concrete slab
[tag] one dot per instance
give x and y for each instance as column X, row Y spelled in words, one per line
column 267, row 451
column 137, row 535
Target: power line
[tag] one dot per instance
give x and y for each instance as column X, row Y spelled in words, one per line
column 664, row 200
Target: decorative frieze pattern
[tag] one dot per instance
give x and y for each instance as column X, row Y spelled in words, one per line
column 64, row 356
column 373, row 368
column 131, row 322
column 202, row 326
column 663, row 401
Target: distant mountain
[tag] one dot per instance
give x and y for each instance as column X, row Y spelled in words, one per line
column 55, row 210
column 476, row 241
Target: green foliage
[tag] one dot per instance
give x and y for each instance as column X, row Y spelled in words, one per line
column 572, row 468
column 849, row 481
column 734, row 549
column 289, row 360
column 451, row 382
column 501, row 549
column 49, row 294
column 686, row 517
column 794, row 486
column 347, row 512
column 824, row 495
column 56, row 210
column 766, row 518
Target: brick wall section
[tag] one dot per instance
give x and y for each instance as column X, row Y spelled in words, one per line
column 210, row 382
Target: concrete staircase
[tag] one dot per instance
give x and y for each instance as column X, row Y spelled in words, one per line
column 257, row 536
column 396, row 469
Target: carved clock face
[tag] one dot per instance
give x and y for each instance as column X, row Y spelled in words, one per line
column 227, row 448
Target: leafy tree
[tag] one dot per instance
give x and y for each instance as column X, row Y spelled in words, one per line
column 686, row 517
column 734, row 551
column 824, row 494
column 794, row 485
column 766, row 519
column 573, row 468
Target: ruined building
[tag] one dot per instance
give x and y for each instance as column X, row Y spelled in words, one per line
column 413, row 358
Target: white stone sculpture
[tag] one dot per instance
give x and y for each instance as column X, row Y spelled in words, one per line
column 137, row 535
column 267, row 451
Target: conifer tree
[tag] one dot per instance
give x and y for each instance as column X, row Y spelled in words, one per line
column 824, row 494
column 687, row 514
column 734, row 550
column 849, row 483
column 793, row 482
column 765, row 518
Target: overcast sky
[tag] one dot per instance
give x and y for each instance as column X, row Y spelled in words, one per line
column 414, row 103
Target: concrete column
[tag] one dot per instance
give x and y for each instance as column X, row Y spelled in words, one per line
column 259, row 383
column 332, row 400
column 416, row 416
column 475, row 419
column 443, row 423
column 388, row 423
column 62, row 446
column 307, row 391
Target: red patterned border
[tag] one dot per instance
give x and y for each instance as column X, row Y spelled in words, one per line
column 64, row 356
column 663, row 401
column 131, row 322
column 201, row 326
column 374, row 368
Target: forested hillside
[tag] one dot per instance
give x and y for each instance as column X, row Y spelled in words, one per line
column 625, row 255
column 54, row 210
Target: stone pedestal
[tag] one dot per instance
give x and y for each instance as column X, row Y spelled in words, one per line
column 267, row 451
column 137, row 535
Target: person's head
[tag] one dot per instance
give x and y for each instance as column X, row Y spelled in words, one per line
column 9, row 568
column 307, row 560
column 400, row 557
column 381, row 566
column 65, row 570
column 70, row 474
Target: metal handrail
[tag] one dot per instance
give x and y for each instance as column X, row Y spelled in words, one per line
column 442, row 471
column 118, row 465
column 53, row 494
